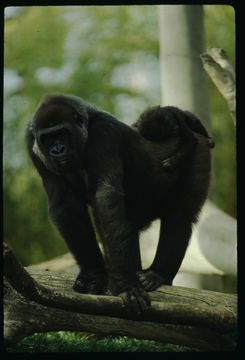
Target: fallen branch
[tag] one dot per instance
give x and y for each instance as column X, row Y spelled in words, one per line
column 191, row 317
column 218, row 66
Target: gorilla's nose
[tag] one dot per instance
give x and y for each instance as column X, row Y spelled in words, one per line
column 58, row 150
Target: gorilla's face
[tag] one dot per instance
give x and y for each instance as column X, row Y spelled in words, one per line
column 60, row 138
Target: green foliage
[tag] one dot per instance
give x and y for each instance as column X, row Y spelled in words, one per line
column 78, row 342
column 109, row 56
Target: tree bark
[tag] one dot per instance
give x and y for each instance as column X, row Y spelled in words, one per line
column 196, row 318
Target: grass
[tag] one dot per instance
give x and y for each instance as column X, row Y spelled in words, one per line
column 62, row 341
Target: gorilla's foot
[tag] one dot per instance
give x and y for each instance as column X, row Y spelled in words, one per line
column 91, row 283
column 150, row 280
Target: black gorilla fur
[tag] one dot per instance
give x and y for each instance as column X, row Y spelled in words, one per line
column 158, row 168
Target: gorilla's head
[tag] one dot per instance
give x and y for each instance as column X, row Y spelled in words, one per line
column 60, row 129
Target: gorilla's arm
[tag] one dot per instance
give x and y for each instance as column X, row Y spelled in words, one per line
column 68, row 211
column 118, row 236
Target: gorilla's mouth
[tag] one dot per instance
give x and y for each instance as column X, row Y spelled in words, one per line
column 63, row 164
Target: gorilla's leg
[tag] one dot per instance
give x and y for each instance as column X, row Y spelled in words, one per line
column 174, row 236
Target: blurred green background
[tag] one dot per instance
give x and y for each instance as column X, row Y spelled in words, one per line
column 110, row 57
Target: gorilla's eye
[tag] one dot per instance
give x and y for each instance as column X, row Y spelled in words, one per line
column 62, row 135
column 77, row 118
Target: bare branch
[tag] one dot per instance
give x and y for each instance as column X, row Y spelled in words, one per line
column 218, row 65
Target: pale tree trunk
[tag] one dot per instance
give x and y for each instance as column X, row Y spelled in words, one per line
column 184, row 84
column 183, row 81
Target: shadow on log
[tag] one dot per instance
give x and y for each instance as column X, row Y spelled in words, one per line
column 40, row 301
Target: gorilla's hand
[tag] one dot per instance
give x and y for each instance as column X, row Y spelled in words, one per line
column 136, row 300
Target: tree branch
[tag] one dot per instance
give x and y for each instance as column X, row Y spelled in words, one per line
column 191, row 317
column 218, row 66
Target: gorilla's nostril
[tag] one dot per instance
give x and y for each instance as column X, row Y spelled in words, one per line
column 58, row 150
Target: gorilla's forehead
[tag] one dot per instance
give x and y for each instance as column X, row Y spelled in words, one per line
column 53, row 114
column 55, row 109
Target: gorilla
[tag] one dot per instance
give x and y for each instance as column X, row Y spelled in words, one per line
column 129, row 176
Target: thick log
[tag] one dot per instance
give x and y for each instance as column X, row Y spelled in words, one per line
column 197, row 318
